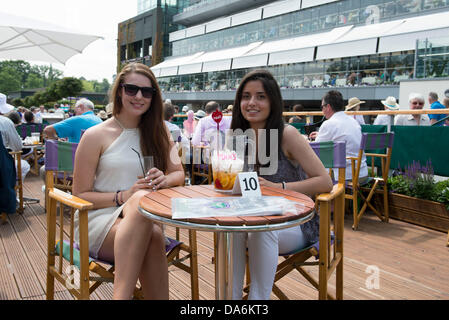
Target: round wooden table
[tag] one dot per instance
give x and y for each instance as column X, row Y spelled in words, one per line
column 157, row 206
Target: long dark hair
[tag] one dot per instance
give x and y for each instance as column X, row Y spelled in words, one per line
column 271, row 87
column 153, row 138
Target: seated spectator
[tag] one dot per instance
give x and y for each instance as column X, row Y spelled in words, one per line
column 190, row 124
column 176, row 132
column 199, row 114
column 354, row 105
column 12, row 140
column 204, row 131
column 102, row 115
column 446, row 105
column 29, row 118
column 435, row 104
column 108, row 109
column 297, row 119
column 71, row 128
column 385, row 119
column 340, row 127
column 294, row 166
column 416, row 102
column 39, row 113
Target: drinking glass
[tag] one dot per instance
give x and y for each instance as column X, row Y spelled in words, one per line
column 148, row 163
column 35, row 136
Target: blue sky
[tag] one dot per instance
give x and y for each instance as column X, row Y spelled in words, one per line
column 97, row 17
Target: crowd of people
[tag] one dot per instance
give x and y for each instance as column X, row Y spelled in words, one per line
column 108, row 174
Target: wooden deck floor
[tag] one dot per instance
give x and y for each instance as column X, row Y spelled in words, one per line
column 413, row 262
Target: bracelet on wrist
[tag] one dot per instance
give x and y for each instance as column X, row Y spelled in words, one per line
column 116, row 199
column 121, row 198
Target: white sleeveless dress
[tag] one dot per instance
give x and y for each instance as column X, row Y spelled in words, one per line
column 118, row 169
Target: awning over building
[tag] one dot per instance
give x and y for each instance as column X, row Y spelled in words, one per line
column 170, row 66
column 404, row 36
column 347, row 41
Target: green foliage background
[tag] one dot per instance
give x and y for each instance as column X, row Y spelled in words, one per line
column 16, row 75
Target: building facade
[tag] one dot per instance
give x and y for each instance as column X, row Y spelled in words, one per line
column 363, row 48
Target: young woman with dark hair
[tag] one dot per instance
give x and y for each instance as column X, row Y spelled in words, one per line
column 258, row 106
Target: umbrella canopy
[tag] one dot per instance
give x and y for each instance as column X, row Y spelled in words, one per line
column 28, row 39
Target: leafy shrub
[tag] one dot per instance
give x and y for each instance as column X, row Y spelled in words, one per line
column 418, row 181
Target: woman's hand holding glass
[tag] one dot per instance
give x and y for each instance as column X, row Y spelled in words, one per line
column 156, row 179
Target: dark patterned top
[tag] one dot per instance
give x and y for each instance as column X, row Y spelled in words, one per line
column 289, row 173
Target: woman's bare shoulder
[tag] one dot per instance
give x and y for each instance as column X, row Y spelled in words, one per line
column 293, row 142
column 101, row 135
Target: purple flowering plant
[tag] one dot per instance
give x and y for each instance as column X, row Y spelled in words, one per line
column 418, row 181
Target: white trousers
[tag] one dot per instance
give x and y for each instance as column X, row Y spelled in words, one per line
column 263, row 251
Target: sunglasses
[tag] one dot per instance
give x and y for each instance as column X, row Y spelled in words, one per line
column 418, row 103
column 131, row 90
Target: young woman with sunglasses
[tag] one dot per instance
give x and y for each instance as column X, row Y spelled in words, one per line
column 108, row 173
column 258, row 106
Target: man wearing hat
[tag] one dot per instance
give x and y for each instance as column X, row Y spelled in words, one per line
column 102, row 115
column 416, row 102
column 200, row 114
column 354, row 105
column 108, row 109
column 185, row 109
column 385, row 119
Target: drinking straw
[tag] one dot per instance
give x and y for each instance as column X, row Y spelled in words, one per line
column 140, row 160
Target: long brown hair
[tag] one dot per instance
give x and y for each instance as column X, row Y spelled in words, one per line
column 153, row 138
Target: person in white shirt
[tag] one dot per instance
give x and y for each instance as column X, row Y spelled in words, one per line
column 207, row 127
column 176, row 132
column 386, row 119
column 416, row 102
column 354, row 105
column 340, row 127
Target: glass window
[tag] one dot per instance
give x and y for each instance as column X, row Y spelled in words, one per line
column 328, row 15
column 271, row 28
column 315, row 22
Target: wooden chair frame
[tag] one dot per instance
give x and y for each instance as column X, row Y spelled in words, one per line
column 355, row 184
column 200, row 169
column 330, row 254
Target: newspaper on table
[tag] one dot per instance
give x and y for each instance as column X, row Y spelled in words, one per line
column 183, row 208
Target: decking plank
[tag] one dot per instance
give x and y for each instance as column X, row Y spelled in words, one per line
column 24, row 275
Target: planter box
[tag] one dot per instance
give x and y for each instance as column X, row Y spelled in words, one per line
column 424, row 213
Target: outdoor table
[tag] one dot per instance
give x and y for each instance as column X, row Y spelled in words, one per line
column 36, row 148
column 157, row 206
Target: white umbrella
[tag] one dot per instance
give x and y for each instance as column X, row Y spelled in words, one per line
column 28, row 39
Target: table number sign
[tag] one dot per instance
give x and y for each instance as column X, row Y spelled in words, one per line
column 247, row 184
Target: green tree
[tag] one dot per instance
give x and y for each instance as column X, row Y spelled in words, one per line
column 34, row 81
column 22, row 68
column 9, row 80
column 87, row 85
column 69, row 87
column 104, row 87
